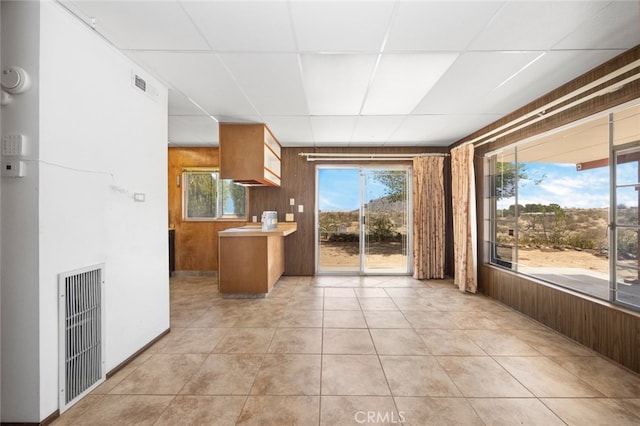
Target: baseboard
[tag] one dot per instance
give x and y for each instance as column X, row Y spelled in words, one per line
column 138, row 352
column 194, row 273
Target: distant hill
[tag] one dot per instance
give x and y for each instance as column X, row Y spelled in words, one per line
column 384, row 205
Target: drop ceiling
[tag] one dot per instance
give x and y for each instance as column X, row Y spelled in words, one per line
column 358, row 73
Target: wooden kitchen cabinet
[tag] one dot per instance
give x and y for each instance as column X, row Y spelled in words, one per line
column 249, row 154
column 251, row 260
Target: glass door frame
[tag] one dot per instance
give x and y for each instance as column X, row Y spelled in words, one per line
column 362, row 168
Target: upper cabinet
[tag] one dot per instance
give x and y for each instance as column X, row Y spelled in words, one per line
column 249, row 154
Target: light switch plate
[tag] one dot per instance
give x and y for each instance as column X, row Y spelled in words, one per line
column 288, row 217
column 300, row 208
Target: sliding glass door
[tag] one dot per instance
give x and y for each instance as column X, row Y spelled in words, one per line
column 363, row 220
column 338, row 220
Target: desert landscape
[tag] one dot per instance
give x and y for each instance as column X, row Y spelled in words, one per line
column 346, row 254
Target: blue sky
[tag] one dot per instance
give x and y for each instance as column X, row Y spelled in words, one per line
column 340, row 189
column 559, row 183
column 564, row 185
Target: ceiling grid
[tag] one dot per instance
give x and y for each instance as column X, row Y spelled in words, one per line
column 359, row 73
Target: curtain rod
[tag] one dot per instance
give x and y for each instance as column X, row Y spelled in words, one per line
column 327, row 156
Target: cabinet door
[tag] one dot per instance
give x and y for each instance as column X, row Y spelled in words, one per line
column 270, row 141
column 271, row 162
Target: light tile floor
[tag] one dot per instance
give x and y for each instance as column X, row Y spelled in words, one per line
column 350, row 350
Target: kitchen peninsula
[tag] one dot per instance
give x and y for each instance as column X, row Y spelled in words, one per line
column 251, row 260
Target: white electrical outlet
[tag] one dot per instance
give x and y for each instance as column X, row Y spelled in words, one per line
column 300, row 208
column 292, row 201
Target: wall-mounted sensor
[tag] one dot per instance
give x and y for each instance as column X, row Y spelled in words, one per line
column 14, row 80
column 12, row 168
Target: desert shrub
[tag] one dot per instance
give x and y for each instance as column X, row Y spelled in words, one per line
column 628, row 245
column 346, row 237
column 580, row 241
column 381, row 229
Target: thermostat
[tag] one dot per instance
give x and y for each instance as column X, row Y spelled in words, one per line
column 15, row 80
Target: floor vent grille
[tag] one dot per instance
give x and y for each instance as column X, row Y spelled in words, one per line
column 81, row 332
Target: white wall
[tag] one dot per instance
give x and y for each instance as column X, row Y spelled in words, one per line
column 0, row 228
column 100, row 140
column 19, row 223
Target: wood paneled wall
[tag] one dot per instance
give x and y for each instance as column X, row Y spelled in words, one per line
column 299, row 182
column 196, row 243
column 601, row 326
column 612, row 331
column 598, row 104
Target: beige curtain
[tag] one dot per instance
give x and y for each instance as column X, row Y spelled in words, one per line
column 464, row 218
column 428, row 217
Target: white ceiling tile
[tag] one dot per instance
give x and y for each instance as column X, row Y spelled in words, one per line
column 615, row 27
column 406, row 144
column 238, row 118
column 276, row 88
column 142, row 24
column 534, row 25
column 180, row 105
column 438, row 130
column 336, row 84
column 341, row 26
column 402, row 80
column 307, row 67
column 185, row 129
column 557, row 67
column 375, row 129
column 243, row 25
column 472, row 77
column 291, row 131
column 333, row 129
column 202, row 77
column 438, row 25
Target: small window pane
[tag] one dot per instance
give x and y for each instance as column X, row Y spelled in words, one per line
column 208, row 197
column 234, row 199
column 201, row 195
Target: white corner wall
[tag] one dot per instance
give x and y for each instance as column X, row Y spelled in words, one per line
column 19, row 223
column 99, row 139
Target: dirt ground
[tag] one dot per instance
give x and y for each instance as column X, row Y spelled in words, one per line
column 563, row 259
column 345, row 254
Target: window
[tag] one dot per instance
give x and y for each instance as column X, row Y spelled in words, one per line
column 207, row 197
column 558, row 207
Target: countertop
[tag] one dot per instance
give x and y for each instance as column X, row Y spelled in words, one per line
column 283, row 229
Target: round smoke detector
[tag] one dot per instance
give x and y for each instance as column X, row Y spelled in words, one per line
column 15, row 80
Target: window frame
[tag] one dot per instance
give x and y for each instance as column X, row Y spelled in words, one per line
column 186, row 172
column 491, row 206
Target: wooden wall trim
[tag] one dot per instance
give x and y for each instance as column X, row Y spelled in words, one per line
column 626, row 94
column 608, row 329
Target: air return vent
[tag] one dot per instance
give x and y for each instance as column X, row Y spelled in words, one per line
column 141, row 84
column 81, row 332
